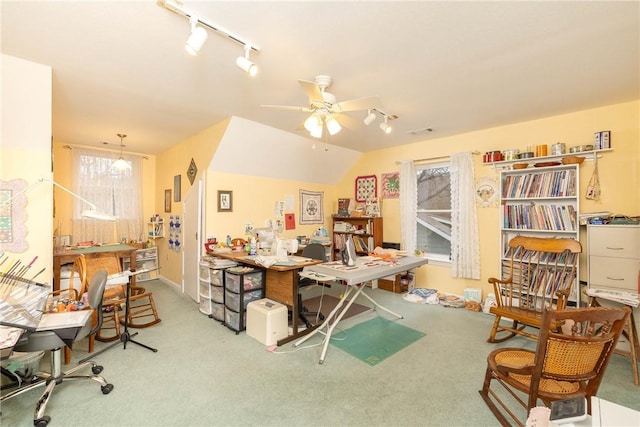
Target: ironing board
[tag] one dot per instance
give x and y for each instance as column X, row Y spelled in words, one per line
column 366, row 268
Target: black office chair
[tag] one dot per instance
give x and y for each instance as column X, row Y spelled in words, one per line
column 313, row 251
column 50, row 340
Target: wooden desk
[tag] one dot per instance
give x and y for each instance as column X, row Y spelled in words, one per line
column 281, row 285
column 67, row 256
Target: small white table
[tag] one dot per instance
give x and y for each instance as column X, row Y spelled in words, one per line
column 366, row 269
column 606, row 414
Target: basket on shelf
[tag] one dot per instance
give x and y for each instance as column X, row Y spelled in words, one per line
column 570, row 160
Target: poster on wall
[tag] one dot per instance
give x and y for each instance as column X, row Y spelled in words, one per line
column 311, row 203
column 13, row 216
column 390, row 187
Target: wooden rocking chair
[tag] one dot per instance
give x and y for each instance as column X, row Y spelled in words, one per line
column 568, row 362
column 539, row 274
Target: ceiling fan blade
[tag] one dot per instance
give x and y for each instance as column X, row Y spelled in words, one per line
column 348, row 122
column 312, row 90
column 289, row 108
column 367, row 103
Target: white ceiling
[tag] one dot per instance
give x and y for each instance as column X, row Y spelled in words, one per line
column 451, row 66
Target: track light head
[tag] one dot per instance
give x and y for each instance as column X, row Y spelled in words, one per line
column 386, row 128
column 370, row 117
column 245, row 63
column 197, row 38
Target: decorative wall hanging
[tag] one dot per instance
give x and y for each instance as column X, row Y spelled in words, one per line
column 311, row 204
column 175, row 233
column 366, row 187
column 225, row 201
column 390, row 187
column 177, row 191
column 487, row 192
column 192, row 171
column 13, row 216
column 167, row 200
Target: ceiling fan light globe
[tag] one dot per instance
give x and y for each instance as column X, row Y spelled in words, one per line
column 332, row 125
column 121, row 164
column 196, row 40
column 312, row 122
column 316, row 132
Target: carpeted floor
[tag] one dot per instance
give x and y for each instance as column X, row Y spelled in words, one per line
column 376, row 339
column 205, row 375
column 326, row 303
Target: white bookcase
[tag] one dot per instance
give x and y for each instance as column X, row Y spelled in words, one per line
column 539, row 202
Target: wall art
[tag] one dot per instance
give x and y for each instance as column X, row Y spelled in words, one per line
column 390, row 186
column 487, row 192
column 13, row 216
column 366, row 187
column 225, row 201
column 311, row 203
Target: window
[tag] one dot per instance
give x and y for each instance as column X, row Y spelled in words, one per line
column 114, row 192
column 433, row 220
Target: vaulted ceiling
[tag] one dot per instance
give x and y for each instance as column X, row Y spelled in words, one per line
column 453, row 67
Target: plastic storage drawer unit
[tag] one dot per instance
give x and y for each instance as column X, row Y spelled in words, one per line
column 267, row 321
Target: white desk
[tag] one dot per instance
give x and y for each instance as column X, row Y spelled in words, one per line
column 366, row 268
column 606, row 414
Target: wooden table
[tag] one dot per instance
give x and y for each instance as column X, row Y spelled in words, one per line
column 281, row 285
column 67, row 256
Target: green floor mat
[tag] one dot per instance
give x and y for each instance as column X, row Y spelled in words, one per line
column 376, row 339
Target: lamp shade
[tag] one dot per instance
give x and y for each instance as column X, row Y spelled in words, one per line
column 332, row 125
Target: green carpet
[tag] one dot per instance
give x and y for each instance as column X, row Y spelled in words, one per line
column 376, row 339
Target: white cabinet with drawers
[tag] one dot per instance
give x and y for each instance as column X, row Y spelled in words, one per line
column 614, row 257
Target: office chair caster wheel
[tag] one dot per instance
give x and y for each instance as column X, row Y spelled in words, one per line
column 97, row 369
column 42, row 422
column 321, row 316
column 106, row 389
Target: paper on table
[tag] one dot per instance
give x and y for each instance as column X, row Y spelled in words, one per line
column 67, row 319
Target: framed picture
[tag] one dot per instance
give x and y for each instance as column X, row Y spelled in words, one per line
column 390, row 187
column 177, row 181
column 225, row 201
column 167, row 200
column 366, row 187
column 311, row 207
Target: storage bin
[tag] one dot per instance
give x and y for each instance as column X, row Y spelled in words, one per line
column 217, row 294
column 204, row 288
column 204, row 271
column 216, row 277
column 233, row 300
column 205, row 306
column 235, row 321
column 249, row 280
column 217, row 311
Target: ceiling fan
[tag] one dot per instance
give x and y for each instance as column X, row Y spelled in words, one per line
column 325, row 111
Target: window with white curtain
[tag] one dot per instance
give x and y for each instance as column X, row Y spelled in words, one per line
column 433, row 213
column 114, row 192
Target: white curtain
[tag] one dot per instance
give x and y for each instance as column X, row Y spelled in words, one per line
column 465, row 245
column 408, row 205
column 114, row 192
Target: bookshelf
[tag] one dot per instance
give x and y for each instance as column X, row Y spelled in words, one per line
column 539, row 202
column 365, row 230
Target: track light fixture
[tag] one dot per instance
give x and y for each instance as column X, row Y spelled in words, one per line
column 386, row 128
column 199, row 33
column 121, row 164
column 371, row 116
column 245, row 64
column 197, row 38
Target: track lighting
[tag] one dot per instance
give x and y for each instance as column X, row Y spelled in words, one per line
column 199, row 27
column 386, row 128
column 197, row 38
column 371, row 116
column 332, row 125
column 121, row 164
column 245, row 64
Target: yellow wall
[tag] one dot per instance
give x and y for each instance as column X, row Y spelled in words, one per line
column 618, row 170
column 175, row 161
column 64, row 201
column 254, row 200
